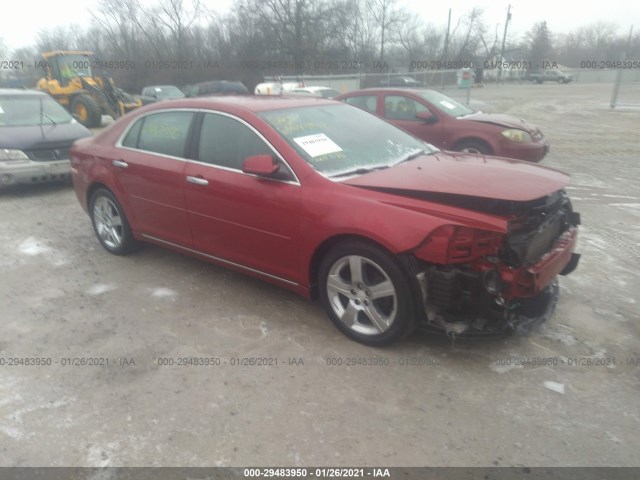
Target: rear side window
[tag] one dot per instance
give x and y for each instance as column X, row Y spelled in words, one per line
column 227, row 142
column 165, row 133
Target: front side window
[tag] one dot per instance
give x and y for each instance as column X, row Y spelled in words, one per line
column 399, row 107
column 164, row 133
column 226, row 142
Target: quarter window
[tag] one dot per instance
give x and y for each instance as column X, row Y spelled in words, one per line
column 131, row 140
column 164, row 133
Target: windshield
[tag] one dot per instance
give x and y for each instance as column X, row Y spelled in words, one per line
column 74, row 66
column 338, row 139
column 169, row 92
column 26, row 110
column 446, row 104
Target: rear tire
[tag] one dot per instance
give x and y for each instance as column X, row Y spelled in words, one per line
column 86, row 110
column 110, row 223
column 366, row 294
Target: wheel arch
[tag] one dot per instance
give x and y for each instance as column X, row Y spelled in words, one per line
column 91, row 190
column 101, row 184
column 326, row 246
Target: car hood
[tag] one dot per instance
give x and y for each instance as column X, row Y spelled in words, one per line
column 501, row 120
column 35, row 136
column 469, row 175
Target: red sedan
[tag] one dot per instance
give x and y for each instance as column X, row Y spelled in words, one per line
column 330, row 201
column 450, row 125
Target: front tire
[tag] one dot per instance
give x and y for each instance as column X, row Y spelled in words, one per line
column 110, row 223
column 366, row 294
column 474, row 147
column 86, row 110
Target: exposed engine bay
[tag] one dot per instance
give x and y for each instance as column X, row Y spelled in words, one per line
column 494, row 284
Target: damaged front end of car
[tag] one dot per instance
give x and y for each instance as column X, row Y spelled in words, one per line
column 480, row 282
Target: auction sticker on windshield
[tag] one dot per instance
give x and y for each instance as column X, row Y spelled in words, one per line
column 444, row 103
column 317, row 145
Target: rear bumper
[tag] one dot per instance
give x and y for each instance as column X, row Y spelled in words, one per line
column 14, row 173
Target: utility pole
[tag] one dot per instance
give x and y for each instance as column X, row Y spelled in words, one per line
column 446, row 47
column 618, row 80
column 504, row 39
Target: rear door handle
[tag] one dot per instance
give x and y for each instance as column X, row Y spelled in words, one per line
column 120, row 164
column 197, row 180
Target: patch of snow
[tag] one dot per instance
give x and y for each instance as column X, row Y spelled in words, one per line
column 102, row 456
column 33, row 246
column 99, row 288
column 565, row 338
column 503, row 368
column 263, row 328
column 161, row 292
column 554, row 386
column 612, row 437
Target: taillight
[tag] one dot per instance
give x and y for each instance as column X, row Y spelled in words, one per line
column 454, row 244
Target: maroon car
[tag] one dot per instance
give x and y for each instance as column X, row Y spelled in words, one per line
column 330, row 201
column 450, row 125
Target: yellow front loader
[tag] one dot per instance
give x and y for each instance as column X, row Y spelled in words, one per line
column 71, row 81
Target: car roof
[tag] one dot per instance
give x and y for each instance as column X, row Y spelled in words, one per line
column 317, row 87
column 415, row 90
column 20, row 92
column 253, row 103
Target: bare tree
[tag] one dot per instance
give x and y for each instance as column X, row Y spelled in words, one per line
column 540, row 46
column 387, row 16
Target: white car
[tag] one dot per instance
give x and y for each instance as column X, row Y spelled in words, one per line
column 316, row 91
column 276, row 88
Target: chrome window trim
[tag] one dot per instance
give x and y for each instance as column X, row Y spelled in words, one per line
column 118, row 144
column 221, row 260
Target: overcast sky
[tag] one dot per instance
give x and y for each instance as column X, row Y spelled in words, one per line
column 22, row 19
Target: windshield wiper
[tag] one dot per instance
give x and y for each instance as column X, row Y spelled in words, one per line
column 359, row 171
column 411, row 156
column 50, row 119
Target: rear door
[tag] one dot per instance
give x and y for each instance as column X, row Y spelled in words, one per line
column 150, row 168
column 241, row 218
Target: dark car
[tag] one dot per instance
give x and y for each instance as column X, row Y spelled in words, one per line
column 400, row 81
column 155, row 93
column 36, row 134
column 450, row 125
column 217, row 87
column 330, row 201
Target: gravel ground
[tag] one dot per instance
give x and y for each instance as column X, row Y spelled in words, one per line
column 62, row 297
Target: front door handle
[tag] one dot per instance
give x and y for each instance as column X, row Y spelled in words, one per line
column 197, row 180
column 120, row 164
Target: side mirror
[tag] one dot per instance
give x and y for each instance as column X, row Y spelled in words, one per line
column 261, row 165
column 427, row 116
